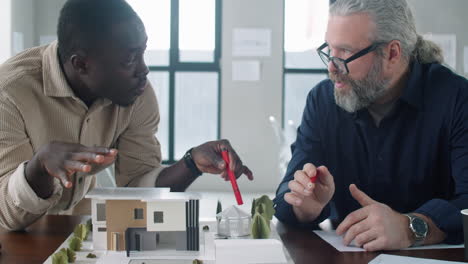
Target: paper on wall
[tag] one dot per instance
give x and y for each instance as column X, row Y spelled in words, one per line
column 246, row 70
column 251, row 42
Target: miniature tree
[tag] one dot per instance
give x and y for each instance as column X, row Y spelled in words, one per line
column 252, row 210
column 71, row 255
column 81, row 231
column 260, row 227
column 262, row 213
column 91, row 255
column 269, row 209
column 197, row 261
column 59, row 258
column 75, row 243
column 89, row 226
column 219, row 208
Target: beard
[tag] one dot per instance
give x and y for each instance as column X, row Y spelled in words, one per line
column 361, row 93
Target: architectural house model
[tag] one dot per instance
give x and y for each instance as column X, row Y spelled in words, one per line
column 144, row 219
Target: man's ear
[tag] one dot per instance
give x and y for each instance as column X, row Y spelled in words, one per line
column 79, row 62
column 393, row 52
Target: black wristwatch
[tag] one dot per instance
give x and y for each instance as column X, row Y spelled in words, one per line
column 419, row 228
column 191, row 164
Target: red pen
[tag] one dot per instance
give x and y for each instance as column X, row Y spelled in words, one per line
column 232, row 177
column 314, row 179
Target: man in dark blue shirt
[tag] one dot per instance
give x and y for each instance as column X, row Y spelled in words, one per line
column 386, row 137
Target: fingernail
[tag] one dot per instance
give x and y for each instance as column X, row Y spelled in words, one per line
column 306, row 191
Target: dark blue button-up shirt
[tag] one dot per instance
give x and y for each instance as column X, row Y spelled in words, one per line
column 415, row 161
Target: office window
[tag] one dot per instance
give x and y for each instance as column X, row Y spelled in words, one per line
column 138, row 213
column 156, row 15
column 196, row 112
column 197, row 30
column 296, row 89
column 305, row 26
column 184, row 40
column 101, row 212
column 102, row 229
column 158, row 217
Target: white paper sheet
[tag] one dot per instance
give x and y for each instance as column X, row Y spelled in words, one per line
column 246, row 70
column 448, row 44
column 251, row 42
column 392, row 259
column 337, row 242
column 249, row 251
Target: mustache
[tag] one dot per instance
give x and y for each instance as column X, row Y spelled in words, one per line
column 339, row 77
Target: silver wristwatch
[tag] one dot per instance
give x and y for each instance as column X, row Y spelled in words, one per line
column 418, row 227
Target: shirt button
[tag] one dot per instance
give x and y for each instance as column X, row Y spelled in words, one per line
column 87, row 120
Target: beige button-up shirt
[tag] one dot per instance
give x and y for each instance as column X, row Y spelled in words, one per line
column 38, row 106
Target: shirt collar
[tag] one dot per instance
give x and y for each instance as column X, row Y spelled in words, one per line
column 414, row 89
column 412, row 93
column 55, row 83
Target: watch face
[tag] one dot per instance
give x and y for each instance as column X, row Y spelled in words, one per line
column 420, row 227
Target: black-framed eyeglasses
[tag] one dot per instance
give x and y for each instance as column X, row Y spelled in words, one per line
column 339, row 63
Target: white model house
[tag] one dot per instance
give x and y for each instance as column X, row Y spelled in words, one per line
column 142, row 219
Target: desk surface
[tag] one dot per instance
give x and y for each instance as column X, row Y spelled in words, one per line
column 43, row 237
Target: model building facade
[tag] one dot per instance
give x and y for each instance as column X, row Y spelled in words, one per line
column 144, row 219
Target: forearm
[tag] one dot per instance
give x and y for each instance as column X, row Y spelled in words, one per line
column 19, row 206
column 38, row 178
column 177, row 177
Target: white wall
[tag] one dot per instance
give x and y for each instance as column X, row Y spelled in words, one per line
column 23, row 22
column 47, row 14
column 173, row 216
column 5, row 30
column 444, row 17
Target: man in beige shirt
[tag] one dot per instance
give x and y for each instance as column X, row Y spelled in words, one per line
column 72, row 108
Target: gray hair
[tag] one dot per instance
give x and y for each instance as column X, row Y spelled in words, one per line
column 394, row 21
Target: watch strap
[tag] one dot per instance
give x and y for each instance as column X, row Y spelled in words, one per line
column 188, row 160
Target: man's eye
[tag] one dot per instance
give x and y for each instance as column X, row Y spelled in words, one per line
column 131, row 60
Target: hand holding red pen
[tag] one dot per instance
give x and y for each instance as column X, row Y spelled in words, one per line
column 208, row 158
column 311, row 190
column 232, row 177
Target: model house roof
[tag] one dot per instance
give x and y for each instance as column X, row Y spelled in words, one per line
column 135, row 193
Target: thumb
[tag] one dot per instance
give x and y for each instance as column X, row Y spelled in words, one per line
column 362, row 198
